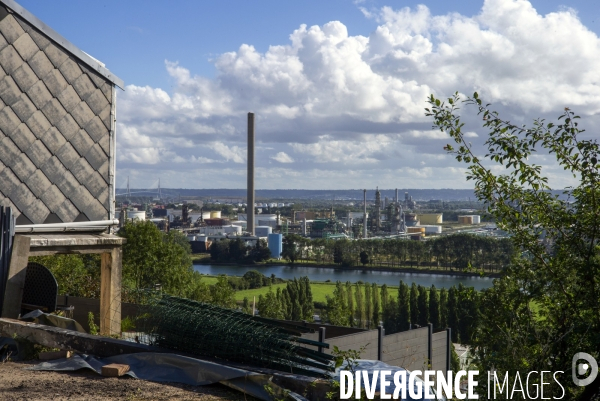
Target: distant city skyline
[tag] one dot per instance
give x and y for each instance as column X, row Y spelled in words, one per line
column 338, row 88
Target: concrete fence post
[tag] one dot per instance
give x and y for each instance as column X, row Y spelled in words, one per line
column 430, row 343
column 448, row 349
column 321, row 337
column 381, row 334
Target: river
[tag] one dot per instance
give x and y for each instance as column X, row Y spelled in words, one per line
column 327, row 273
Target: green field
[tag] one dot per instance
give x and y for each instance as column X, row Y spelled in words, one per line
column 319, row 290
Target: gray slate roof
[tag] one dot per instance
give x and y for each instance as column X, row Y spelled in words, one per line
column 56, row 129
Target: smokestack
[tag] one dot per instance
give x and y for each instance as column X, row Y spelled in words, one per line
column 365, row 217
column 397, row 200
column 250, row 197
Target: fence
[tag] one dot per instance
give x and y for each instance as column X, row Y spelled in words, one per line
column 417, row 349
column 7, row 232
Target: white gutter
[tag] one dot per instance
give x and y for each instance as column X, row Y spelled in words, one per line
column 100, row 225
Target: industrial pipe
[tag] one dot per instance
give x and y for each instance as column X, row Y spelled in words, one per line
column 65, row 226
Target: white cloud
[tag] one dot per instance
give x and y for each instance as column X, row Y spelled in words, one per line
column 282, row 157
column 340, row 100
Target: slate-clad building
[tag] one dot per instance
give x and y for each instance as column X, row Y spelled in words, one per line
column 57, row 125
column 57, row 156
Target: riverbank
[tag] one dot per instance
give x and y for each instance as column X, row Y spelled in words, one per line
column 407, row 270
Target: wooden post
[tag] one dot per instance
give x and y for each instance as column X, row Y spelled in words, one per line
column 110, row 292
column 380, row 335
column 13, row 295
column 321, row 337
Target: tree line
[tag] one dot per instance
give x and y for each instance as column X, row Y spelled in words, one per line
column 294, row 302
column 366, row 305
column 450, row 252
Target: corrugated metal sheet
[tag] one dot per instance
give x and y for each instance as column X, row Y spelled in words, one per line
column 55, row 128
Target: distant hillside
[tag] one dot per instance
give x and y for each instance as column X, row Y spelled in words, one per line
column 417, row 194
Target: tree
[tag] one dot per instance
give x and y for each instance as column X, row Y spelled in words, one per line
column 290, row 247
column 337, row 307
column 364, row 258
column 254, row 278
column 246, row 306
column 434, row 307
column 376, row 313
column 360, row 305
column 368, row 305
column 260, row 252
column 423, row 302
column 559, row 267
column 414, row 304
column 152, row 257
column 443, row 308
column 350, row 303
column 404, row 315
column 453, row 313
column 222, row 294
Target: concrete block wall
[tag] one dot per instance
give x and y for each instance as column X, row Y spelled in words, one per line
column 407, row 349
column 439, row 351
column 368, row 339
column 55, row 129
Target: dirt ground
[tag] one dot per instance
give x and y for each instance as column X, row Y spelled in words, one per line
column 19, row 384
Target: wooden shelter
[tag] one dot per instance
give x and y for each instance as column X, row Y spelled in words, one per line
column 57, row 154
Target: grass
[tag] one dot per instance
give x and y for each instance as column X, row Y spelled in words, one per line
column 319, row 290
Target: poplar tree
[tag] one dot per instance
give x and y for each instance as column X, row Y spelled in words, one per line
column 443, row 308
column 350, row 302
column 453, row 314
column 368, row 305
column 376, row 305
column 423, row 303
column 434, row 307
column 404, row 311
column 414, row 304
column 360, row 305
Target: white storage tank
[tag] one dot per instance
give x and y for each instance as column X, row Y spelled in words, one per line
column 262, row 231
column 137, row 215
column 432, row 229
column 237, row 230
column 476, row 219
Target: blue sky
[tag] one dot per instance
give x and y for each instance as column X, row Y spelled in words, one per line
column 339, row 104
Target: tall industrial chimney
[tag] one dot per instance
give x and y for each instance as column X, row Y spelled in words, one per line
column 365, row 217
column 250, row 198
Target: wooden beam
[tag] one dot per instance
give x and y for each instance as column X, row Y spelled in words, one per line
column 13, row 293
column 110, row 292
column 114, row 370
column 80, row 250
column 55, row 337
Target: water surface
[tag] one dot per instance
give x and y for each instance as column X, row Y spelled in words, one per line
column 328, row 273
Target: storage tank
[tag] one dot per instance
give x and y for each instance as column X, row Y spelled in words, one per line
column 215, row 214
column 476, row 219
column 205, row 215
column 237, row 230
column 431, row 218
column 431, row 229
column 137, row 215
column 262, row 231
column 465, row 219
column 411, row 219
column 415, row 230
column 275, row 242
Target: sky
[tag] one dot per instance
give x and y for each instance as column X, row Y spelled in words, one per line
column 338, row 87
